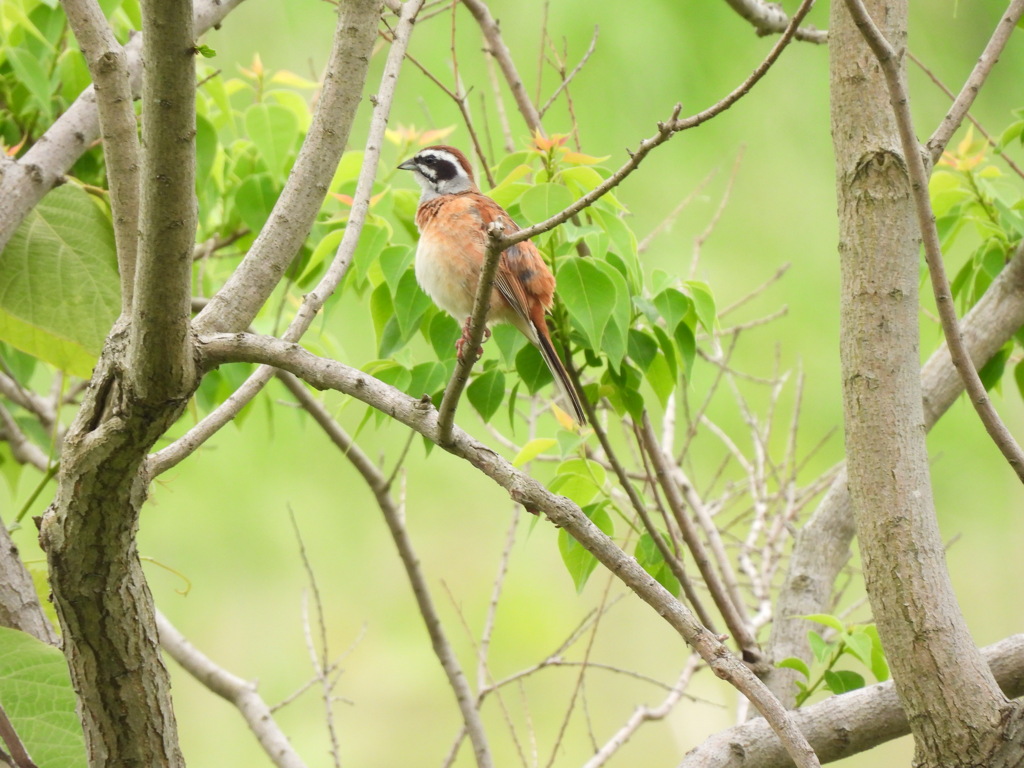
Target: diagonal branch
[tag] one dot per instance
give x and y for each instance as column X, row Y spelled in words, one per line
column 241, row 693
column 43, row 166
column 108, row 66
column 900, row 100
column 822, row 546
column 844, row 725
column 666, row 130
column 380, row 487
column 162, row 367
column 314, row 300
column 962, row 104
column 237, row 302
column 329, row 374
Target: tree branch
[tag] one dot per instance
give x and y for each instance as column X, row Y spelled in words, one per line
column 314, row 300
column 330, row 374
column 962, row 104
column 19, row 603
column 43, row 166
column 235, row 305
column 476, row 325
column 900, row 100
column 108, row 66
column 497, row 48
column 666, row 131
column 844, row 725
column 822, row 546
column 380, row 487
column 162, row 367
column 241, row 693
column 770, row 19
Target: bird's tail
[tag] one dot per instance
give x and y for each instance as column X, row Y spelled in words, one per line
column 561, row 376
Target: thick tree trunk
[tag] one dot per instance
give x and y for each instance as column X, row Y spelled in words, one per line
column 954, row 706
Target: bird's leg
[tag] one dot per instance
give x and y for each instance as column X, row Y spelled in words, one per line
column 465, row 337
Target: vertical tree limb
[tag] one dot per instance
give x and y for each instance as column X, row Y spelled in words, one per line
column 108, row 66
column 950, row 695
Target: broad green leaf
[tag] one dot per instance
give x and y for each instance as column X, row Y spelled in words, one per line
column 613, row 342
column 542, row 201
column 444, row 332
column 509, row 341
column 410, row 305
column 579, row 479
column 992, row 372
column 73, row 74
column 372, row 240
column 30, row 73
column 274, row 130
column 323, row 253
column 652, row 561
column 879, row 665
column 623, row 242
column 822, row 651
column 858, row 643
column 206, row 151
column 843, row 681
column 589, row 295
column 687, row 344
column 673, row 305
column 533, row 449
column 511, row 187
column 59, row 288
column 486, row 392
column 795, row 663
column 661, row 378
column 348, row 169
column 427, row 378
column 394, row 262
column 294, row 103
column 254, row 199
column 643, row 348
column 578, row 561
column 532, row 369
column 382, row 309
column 36, row 693
column 704, row 303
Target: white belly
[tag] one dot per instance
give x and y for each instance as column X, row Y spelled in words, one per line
column 446, row 279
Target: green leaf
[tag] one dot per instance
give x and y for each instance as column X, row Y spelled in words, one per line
column 579, row 479
column 486, row 392
column 542, row 201
column 59, row 288
column 652, row 561
column 372, row 241
column 254, row 199
column 444, row 332
column 206, row 151
column 992, row 371
column 532, row 369
column 394, row 263
column 589, row 295
column 533, row 449
column 427, row 378
column 614, row 340
column 274, row 130
column 659, row 375
column 673, row 305
column 509, row 341
column 843, row 681
column 687, row 344
column 859, row 644
column 36, row 692
column 704, row 303
column 30, row 72
column 578, row 561
column 795, row 663
column 205, row 51
column 410, row 305
column 822, row 651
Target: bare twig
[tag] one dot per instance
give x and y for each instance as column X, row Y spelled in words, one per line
column 330, row 374
column 571, row 75
column 962, row 104
column 23, row 449
column 497, row 48
column 900, row 100
column 378, row 485
column 239, row 692
column 699, row 240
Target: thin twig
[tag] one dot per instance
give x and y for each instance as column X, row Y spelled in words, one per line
column 962, row 104
column 769, row 18
column 912, row 153
column 572, row 75
column 698, row 242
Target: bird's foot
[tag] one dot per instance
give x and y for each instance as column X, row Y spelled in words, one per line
column 465, row 338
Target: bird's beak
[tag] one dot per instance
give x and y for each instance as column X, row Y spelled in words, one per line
column 408, row 165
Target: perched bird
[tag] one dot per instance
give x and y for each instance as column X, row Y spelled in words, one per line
column 453, row 218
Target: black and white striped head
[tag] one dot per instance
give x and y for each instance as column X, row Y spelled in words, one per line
column 440, row 170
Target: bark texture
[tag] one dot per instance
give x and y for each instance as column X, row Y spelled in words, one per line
column 953, row 703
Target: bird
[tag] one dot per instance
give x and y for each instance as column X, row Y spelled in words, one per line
column 453, row 218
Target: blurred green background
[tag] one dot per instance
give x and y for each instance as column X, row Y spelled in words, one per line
column 222, row 518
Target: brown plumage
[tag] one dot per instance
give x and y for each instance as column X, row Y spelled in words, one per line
column 453, row 218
